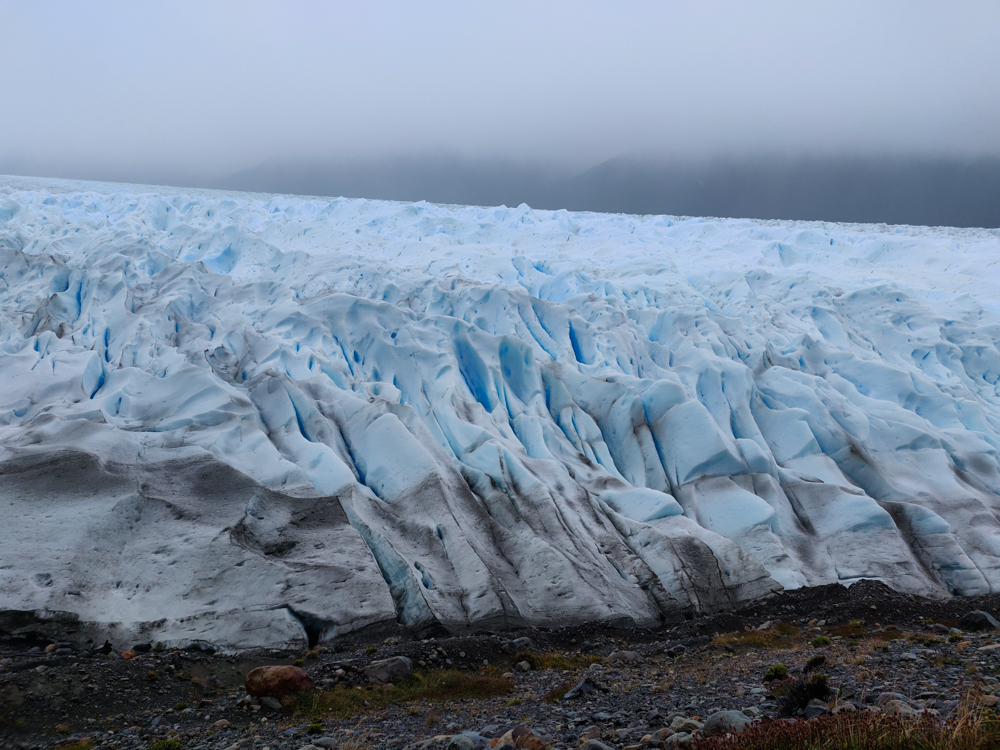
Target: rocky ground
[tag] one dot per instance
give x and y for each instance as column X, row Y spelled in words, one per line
column 878, row 649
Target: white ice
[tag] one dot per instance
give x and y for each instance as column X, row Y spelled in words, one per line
column 249, row 419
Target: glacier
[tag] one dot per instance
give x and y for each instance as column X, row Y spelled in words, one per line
column 251, row 420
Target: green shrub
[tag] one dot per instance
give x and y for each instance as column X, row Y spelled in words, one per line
column 820, row 641
column 180, row 706
column 794, row 695
column 776, row 672
column 167, row 745
column 815, row 662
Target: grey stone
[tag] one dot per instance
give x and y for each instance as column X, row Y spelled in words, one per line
column 978, row 620
column 725, row 722
column 654, row 718
column 816, row 708
column 478, row 741
column 325, row 742
column 626, row 657
column 884, row 698
column 595, row 745
column 389, row 670
column 682, row 724
column 586, row 686
column 460, row 742
column 520, row 644
column 272, row 703
column 897, row 708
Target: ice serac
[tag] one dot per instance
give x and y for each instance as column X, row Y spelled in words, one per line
column 253, row 420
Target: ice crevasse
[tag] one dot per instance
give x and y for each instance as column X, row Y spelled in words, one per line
column 255, row 420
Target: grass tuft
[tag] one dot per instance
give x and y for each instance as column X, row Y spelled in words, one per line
column 557, row 693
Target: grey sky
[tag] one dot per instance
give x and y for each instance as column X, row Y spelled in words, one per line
column 215, row 87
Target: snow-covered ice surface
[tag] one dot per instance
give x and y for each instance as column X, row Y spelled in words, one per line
column 247, row 419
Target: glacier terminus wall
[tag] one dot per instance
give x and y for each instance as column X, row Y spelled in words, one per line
column 253, row 420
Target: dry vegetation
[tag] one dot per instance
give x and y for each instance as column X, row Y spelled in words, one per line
column 435, row 686
column 781, row 635
column 866, row 730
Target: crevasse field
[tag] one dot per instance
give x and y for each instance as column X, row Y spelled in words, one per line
column 259, row 420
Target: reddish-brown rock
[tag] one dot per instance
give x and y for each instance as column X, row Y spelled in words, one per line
column 277, row 681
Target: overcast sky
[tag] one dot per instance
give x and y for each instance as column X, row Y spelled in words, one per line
column 209, row 88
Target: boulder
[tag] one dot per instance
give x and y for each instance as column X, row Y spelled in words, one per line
column 389, row 670
column 725, row 722
column 277, row 682
column 978, row 620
